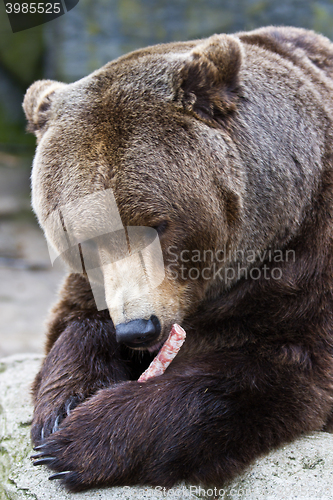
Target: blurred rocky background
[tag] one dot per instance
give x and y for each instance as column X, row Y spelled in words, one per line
column 68, row 48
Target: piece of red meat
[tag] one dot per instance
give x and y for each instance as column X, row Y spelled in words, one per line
column 166, row 354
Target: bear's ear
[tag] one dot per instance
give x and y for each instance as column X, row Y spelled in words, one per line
column 37, row 102
column 208, row 83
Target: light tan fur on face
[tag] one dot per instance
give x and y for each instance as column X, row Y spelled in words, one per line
column 129, row 296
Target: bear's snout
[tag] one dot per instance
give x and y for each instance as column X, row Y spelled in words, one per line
column 139, row 332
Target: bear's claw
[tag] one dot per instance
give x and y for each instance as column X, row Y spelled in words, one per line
column 71, row 404
column 56, row 424
column 40, row 447
column 43, row 461
column 60, row 475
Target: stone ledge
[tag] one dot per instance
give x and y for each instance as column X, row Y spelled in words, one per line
column 302, row 470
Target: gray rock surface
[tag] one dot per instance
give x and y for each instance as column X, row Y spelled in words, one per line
column 302, row 470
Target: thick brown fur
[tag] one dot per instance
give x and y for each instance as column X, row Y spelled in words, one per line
column 217, row 143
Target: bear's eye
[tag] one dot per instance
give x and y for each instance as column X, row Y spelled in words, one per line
column 161, row 227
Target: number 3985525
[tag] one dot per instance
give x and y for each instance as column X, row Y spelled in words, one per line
column 33, row 8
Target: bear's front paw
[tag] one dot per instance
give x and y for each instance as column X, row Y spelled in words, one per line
column 79, row 452
column 100, row 443
column 47, row 419
column 120, row 436
column 54, row 453
column 64, row 457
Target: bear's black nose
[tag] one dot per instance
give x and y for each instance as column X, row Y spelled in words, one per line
column 139, row 332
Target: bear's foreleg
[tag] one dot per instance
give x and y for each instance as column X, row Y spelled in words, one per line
column 202, row 421
column 82, row 357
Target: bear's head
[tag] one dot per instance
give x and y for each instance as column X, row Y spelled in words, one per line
column 171, row 138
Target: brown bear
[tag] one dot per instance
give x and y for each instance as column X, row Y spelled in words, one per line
column 224, row 147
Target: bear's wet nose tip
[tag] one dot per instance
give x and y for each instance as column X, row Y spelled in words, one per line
column 139, row 332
